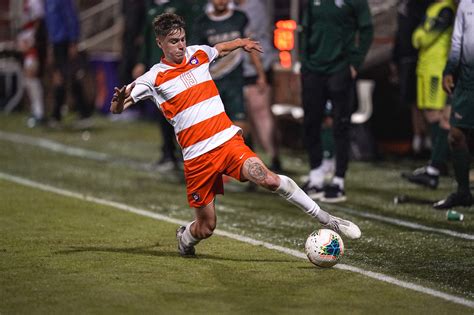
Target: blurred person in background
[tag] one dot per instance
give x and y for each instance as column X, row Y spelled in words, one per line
column 223, row 23
column 335, row 39
column 133, row 12
column 149, row 54
column 433, row 40
column 458, row 80
column 32, row 43
column 258, row 95
column 404, row 58
column 68, row 65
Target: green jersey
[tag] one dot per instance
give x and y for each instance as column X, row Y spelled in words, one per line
column 210, row 30
column 328, row 40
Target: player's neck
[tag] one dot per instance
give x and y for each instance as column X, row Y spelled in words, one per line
column 221, row 13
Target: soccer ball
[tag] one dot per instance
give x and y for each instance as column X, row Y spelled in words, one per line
column 324, row 248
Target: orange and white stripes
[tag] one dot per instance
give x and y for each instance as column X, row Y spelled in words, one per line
column 189, row 99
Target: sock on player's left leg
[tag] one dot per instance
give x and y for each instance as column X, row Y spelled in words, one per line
column 290, row 191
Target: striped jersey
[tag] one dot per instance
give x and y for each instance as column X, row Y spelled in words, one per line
column 189, row 99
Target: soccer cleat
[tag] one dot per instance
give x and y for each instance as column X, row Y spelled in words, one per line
column 454, row 200
column 344, row 227
column 420, row 176
column 185, row 251
column 333, row 194
column 314, row 192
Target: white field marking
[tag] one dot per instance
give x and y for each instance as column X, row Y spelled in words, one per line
column 403, row 223
column 53, row 146
column 248, row 240
column 93, row 155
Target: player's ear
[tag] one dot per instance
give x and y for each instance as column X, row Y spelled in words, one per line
column 158, row 42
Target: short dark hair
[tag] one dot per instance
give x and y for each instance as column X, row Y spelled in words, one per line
column 167, row 23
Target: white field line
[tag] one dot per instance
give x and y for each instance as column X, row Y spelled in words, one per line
column 94, row 155
column 248, row 240
column 53, row 146
column 407, row 224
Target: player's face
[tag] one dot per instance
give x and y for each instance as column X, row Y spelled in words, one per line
column 220, row 6
column 173, row 46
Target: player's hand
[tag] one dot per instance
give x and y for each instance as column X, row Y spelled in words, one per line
column 120, row 96
column 448, row 83
column 249, row 45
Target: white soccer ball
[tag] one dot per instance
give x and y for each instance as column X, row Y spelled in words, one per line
column 324, row 248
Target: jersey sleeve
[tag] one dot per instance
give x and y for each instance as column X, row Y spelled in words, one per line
column 211, row 52
column 143, row 87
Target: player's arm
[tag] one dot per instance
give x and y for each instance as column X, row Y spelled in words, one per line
column 122, row 99
column 452, row 66
column 257, row 62
column 246, row 44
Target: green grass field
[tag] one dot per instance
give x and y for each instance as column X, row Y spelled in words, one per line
column 61, row 253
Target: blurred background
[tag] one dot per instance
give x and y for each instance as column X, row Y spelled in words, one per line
column 381, row 124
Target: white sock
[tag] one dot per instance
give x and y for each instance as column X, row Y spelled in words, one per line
column 328, row 165
column 188, row 239
column 316, row 176
column 289, row 190
column 35, row 93
column 432, row 170
column 416, row 143
column 339, row 181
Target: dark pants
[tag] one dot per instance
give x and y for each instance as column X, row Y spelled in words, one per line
column 317, row 90
column 73, row 71
column 168, row 148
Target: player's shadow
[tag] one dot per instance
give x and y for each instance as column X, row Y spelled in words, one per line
column 153, row 250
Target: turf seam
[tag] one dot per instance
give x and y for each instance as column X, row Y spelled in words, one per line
column 248, row 240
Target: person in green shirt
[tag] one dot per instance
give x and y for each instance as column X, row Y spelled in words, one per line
column 150, row 54
column 334, row 42
column 222, row 23
column 458, row 80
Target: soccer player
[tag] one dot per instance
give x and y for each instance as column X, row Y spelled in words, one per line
column 433, row 39
column 182, row 87
column 461, row 65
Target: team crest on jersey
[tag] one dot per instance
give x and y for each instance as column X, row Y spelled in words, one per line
column 194, row 61
column 196, row 196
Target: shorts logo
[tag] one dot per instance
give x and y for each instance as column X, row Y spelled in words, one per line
column 196, row 196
